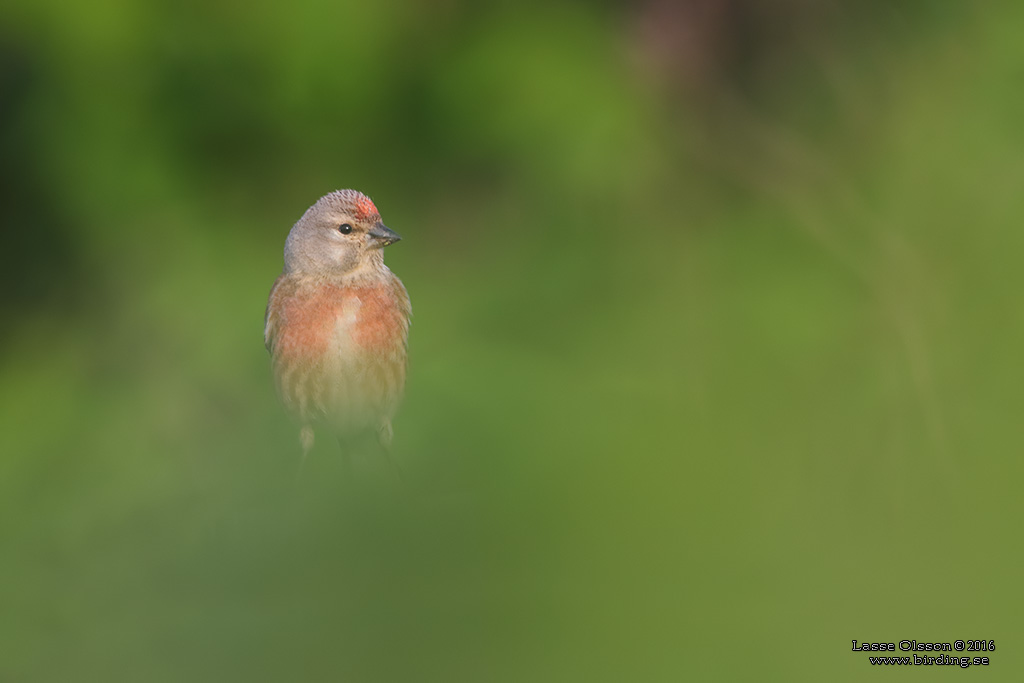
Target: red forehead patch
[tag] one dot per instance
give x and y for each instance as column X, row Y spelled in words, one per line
column 365, row 208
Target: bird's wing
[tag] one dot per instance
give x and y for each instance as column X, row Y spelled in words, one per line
column 404, row 306
column 270, row 318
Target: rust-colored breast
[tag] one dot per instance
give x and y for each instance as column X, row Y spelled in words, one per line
column 308, row 319
column 339, row 352
column 379, row 324
column 305, row 319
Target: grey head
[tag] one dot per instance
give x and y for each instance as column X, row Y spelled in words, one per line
column 341, row 233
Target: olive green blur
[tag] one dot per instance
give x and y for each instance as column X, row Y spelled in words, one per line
column 714, row 363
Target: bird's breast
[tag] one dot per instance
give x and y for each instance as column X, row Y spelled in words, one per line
column 347, row 321
column 339, row 352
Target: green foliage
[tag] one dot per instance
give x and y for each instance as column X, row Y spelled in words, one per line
column 706, row 380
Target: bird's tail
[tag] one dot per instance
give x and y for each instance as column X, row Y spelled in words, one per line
column 306, row 438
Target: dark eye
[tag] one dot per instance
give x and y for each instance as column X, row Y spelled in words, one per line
column 344, row 228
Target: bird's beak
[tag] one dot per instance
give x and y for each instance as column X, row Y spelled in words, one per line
column 381, row 236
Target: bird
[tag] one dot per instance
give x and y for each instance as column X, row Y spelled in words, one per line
column 337, row 323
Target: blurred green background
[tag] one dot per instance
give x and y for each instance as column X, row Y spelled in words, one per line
column 714, row 360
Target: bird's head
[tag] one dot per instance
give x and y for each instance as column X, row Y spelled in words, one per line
column 341, row 233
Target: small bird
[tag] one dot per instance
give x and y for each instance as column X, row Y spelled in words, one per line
column 337, row 322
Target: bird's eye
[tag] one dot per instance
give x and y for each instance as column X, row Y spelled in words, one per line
column 344, row 228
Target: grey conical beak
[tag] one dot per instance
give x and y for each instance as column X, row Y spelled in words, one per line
column 381, row 236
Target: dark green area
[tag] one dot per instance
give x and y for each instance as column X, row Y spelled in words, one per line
column 714, row 361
